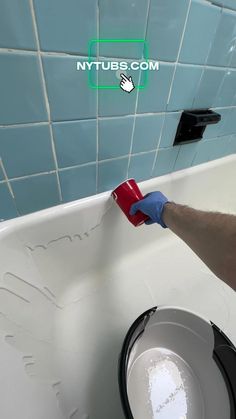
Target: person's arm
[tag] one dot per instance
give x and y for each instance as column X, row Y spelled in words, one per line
column 211, row 235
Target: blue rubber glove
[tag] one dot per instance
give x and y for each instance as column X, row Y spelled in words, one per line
column 152, row 205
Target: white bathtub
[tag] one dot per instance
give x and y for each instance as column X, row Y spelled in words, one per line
column 73, row 279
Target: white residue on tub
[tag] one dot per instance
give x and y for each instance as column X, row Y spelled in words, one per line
column 167, row 393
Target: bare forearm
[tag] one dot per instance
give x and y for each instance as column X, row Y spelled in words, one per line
column 211, row 235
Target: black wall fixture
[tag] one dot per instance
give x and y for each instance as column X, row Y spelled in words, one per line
column 192, row 125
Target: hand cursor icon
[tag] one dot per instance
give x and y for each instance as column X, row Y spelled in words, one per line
column 126, row 83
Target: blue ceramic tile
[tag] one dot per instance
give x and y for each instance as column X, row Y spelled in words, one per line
column 121, row 48
column 111, row 173
column 185, row 156
column 169, row 130
column 223, row 45
column 233, row 61
column 226, row 93
column 1, row 172
column 153, row 97
column 165, row 161
column 185, row 86
column 208, row 88
column 26, row 150
column 211, row 150
column 234, row 101
column 229, row 125
column 231, row 4
column 21, row 98
column 116, row 102
column 78, row 182
column 66, row 26
column 16, row 28
column 216, row 130
column 140, row 167
column 203, row 152
column 165, row 27
column 122, row 20
column 197, row 41
column 147, row 132
column 231, row 146
column 219, row 148
column 70, row 97
column 75, row 142
column 114, row 137
column 35, row 193
column 7, row 205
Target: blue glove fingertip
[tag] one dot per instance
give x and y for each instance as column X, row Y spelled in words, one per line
column 149, row 222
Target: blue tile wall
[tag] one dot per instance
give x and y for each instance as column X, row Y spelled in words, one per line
column 68, row 92
column 111, row 173
column 21, row 88
column 155, row 96
column 169, row 129
column 16, row 26
column 125, row 20
column 185, row 156
column 185, row 87
column 7, row 204
column 226, row 93
column 65, row 27
column 110, row 144
column 78, row 182
column 62, row 139
column 147, row 132
column 35, row 193
column 197, row 43
column 166, row 158
column 1, row 173
column 165, row 28
column 223, row 44
column 140, row 167
column 75, row 142
column 114, row 102
column 26, row 150
column 207, row 93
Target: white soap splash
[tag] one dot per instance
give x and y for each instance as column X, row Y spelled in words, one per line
column 166, row 388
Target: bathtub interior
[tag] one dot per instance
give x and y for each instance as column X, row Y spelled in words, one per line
column 75, row 277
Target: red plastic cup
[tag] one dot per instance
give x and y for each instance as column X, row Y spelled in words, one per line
column 126, row 194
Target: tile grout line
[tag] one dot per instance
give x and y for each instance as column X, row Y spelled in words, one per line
column 9, row 187
column 45, row 96
column 172, row 82
column 105, row 160
column 176, row 158
column 28, row 124
column 133, row 129
column 179, row 50
column 137, row 97
column 31, row 175
column 205, row 66
column 97, row 102
column 158, row 145
column 198, row 86
column 24, row 124
column 6, row 178
column 212, row 41
column 78, row 56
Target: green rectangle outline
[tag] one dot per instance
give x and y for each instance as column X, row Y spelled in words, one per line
column 140, row 86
